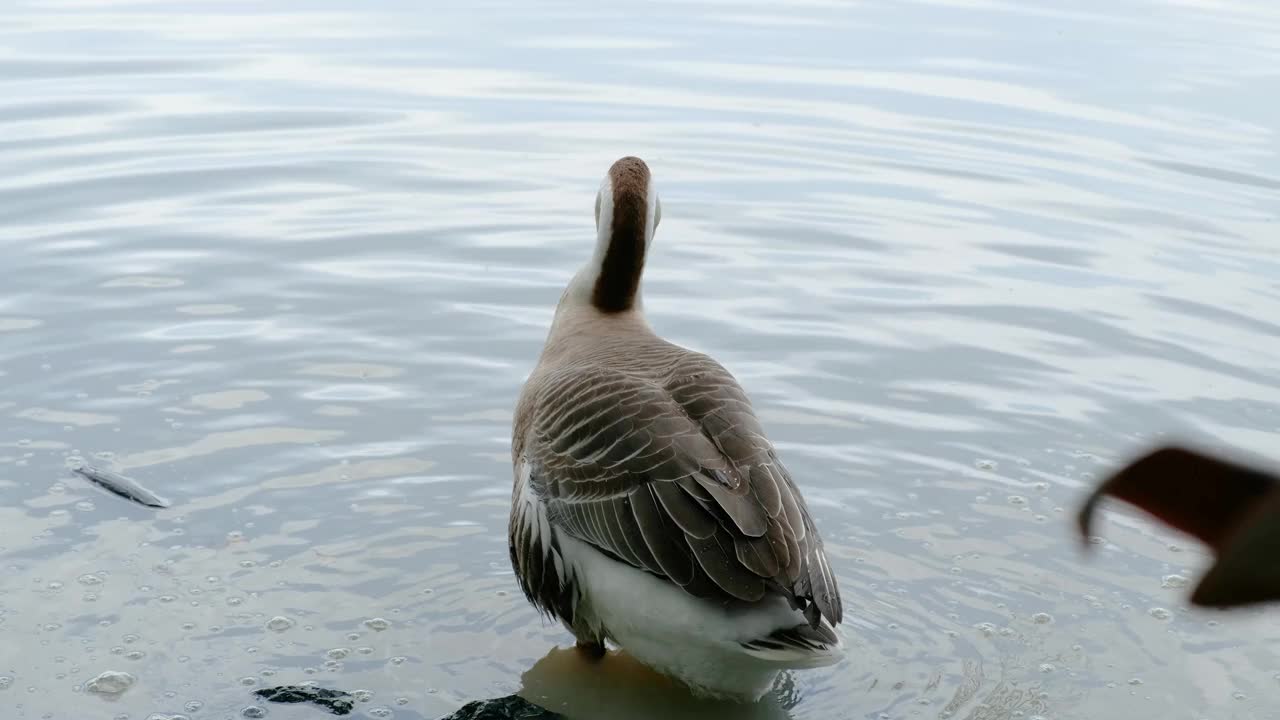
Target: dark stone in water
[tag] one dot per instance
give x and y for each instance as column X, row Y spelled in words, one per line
column 335, row 701
column 511, row 707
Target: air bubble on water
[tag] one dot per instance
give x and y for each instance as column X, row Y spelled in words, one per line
column 1173, row 581
column 362, row 695
column 400, row 660
column 1159, row 613
column 85, row 506
column 1041, row 487
column 166, row 598
column 1017, row 500
column 310, row 670
column 131, row 638
column 365, row 650
column 254, row 711
column 89, row 579
column 377, row 624
column 193, row 706
column 380, row 712
column 6, row 682
column 338, row 653
column 279, row 623
column 247, row 563
column 985, row 464
column 1135, row 681
column 1047, row 667
column 110, row 682
column 233, row 601
column 134, row 655
column 248, row 681
column 402, row 700
column 1042, row 618
column 986, row 628
column 1239, row 695
column 353, row 636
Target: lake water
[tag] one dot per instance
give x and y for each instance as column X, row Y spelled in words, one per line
column 289, row 266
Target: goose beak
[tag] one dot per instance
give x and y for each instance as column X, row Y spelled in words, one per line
column 1232, row 508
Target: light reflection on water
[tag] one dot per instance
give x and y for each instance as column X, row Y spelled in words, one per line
column 289, row 267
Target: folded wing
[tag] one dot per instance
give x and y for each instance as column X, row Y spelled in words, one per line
column 677, row 478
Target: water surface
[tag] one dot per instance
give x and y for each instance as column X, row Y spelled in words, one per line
column 288, row 265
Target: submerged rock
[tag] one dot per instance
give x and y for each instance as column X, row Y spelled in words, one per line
column 511, row 707
column 110, row 683
column 335, row 701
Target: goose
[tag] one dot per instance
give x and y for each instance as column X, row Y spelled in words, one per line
column 649, row 509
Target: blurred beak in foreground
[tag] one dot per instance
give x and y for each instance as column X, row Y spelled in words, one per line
column 1232, row 508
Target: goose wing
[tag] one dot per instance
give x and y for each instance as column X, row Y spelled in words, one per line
column 676, row 477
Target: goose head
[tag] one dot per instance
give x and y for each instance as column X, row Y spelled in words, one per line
column 627, row 215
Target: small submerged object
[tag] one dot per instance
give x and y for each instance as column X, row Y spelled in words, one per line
column 121, row 485
column 1231, row 507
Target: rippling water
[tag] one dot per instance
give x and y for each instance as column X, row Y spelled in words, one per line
column 289, row 267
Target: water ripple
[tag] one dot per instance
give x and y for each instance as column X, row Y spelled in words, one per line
column 289, row 266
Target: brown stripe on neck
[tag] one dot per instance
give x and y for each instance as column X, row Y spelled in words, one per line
column 619, row 281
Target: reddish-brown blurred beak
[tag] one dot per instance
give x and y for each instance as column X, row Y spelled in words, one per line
column 1232, row 508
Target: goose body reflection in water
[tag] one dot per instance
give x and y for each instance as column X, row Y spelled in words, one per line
column 619, row 687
